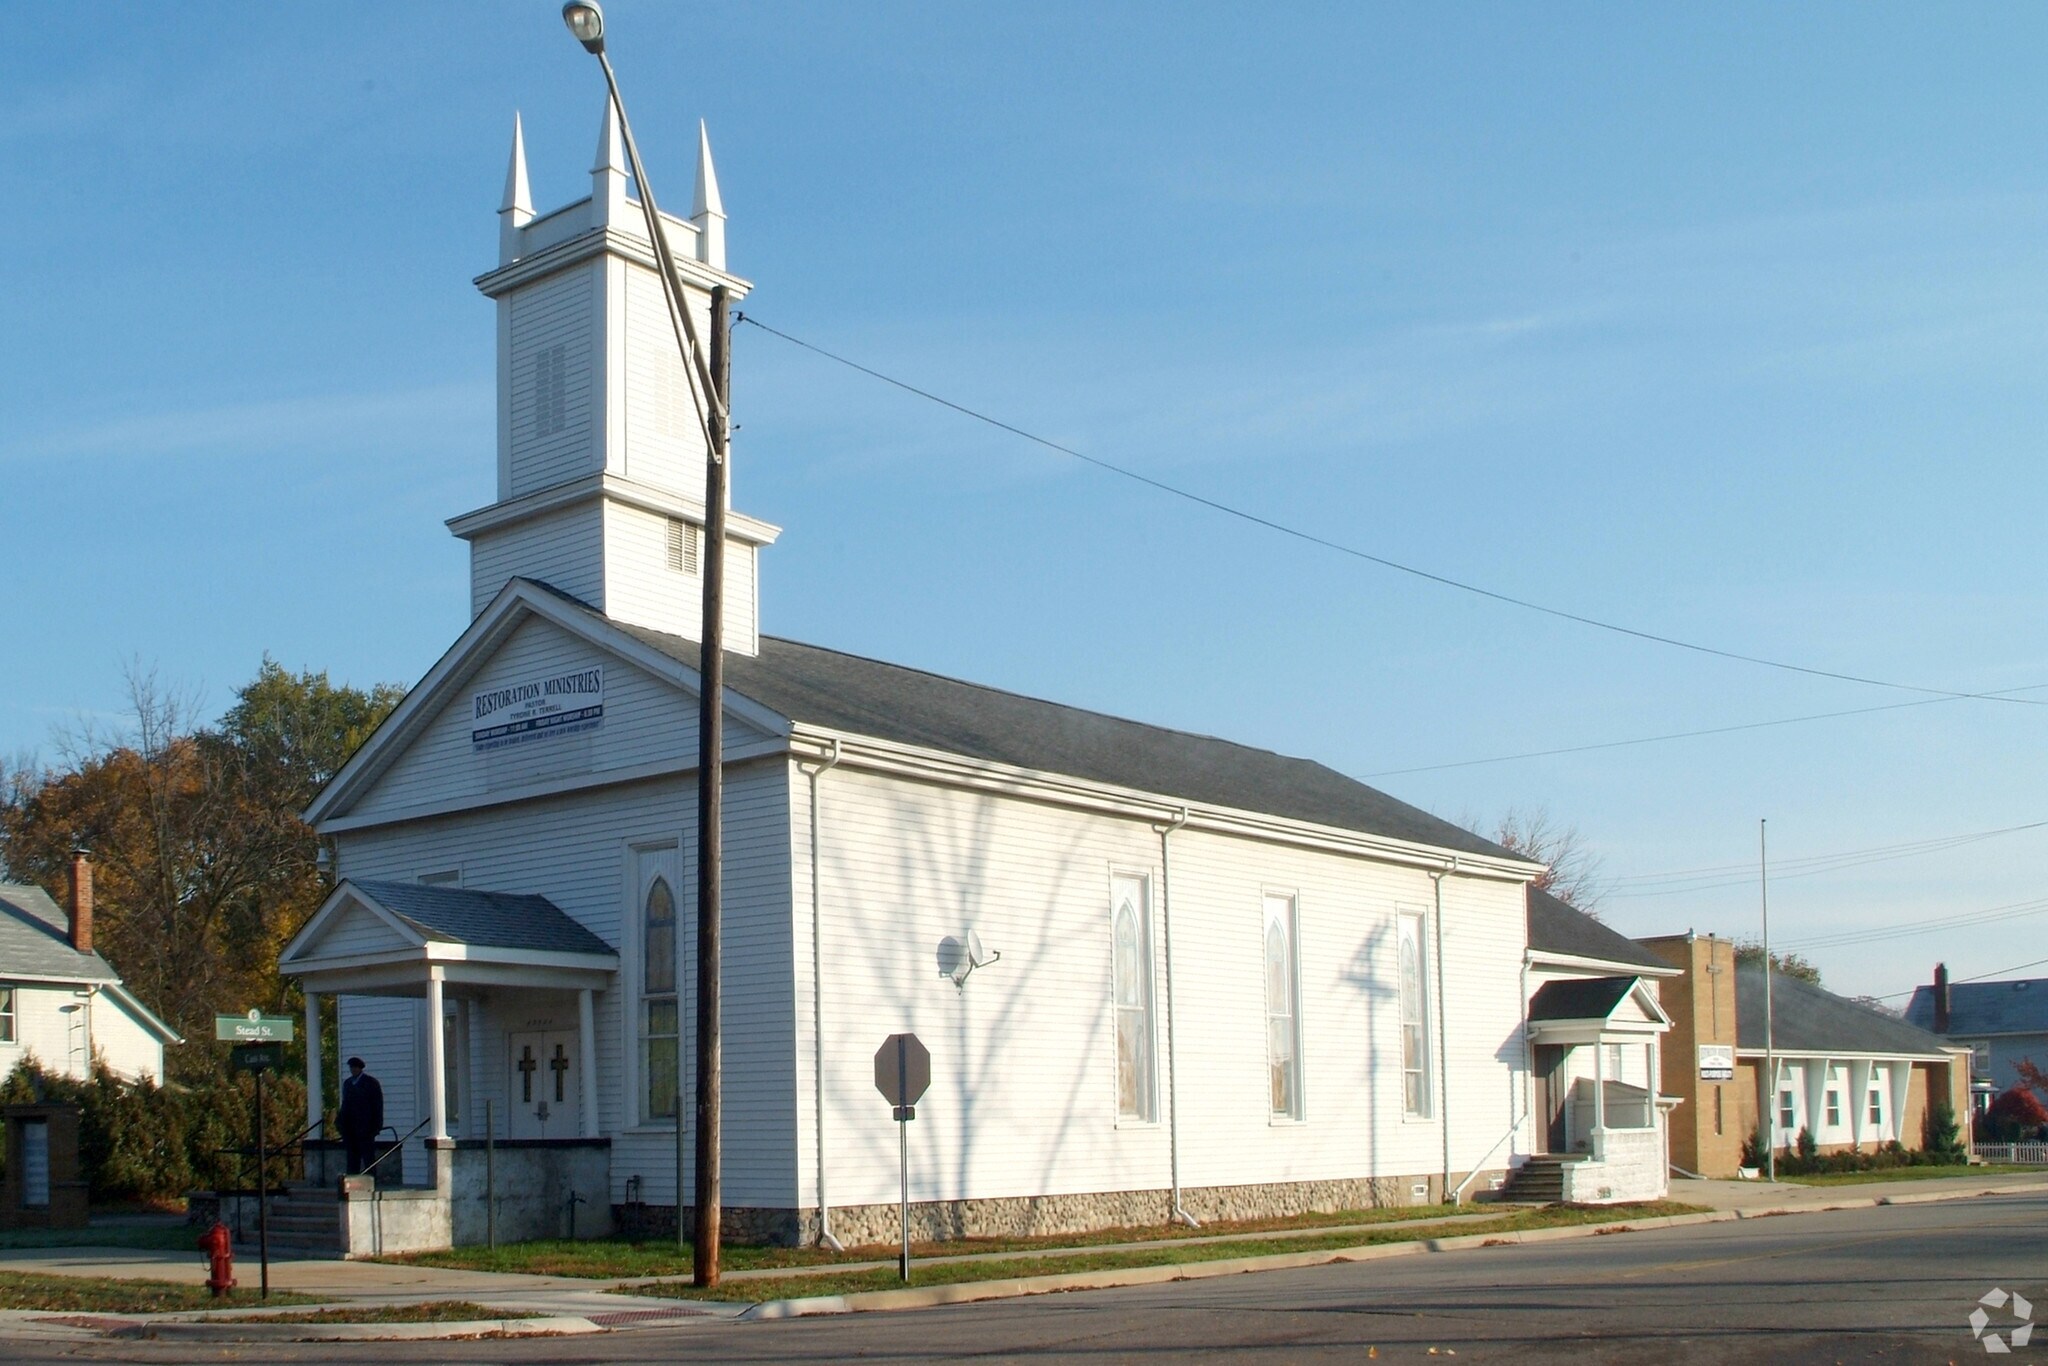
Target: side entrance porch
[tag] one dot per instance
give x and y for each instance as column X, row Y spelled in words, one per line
column 1600, row 1132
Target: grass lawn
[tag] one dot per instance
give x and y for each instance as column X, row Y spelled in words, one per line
column 1108, row 1259
column 1909, row 1174
column 105, row 1295
column 612, row 1259
column 433, row 1311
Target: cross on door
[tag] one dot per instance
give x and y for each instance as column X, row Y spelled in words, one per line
column 559, row 1065
column 527, row 1065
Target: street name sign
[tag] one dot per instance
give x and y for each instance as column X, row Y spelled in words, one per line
column 254, row 1027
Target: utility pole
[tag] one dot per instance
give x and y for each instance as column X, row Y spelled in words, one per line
column 710, row 798
column 1763, row 873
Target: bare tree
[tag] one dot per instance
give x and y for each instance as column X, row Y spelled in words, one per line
column 1574, row 872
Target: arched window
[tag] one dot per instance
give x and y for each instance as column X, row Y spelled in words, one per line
column 1283, row 1027
column 1131, row 986
column 659, row 1033
column 1417, row 1090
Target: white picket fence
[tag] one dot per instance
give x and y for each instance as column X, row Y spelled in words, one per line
column 2013, row 1152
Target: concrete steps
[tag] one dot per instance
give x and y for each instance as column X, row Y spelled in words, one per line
column 1540, row 1180
column 305, row 1219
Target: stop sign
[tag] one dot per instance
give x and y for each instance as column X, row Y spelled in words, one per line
column 903, row 1069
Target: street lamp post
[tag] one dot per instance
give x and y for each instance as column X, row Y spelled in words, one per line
column 710, row 384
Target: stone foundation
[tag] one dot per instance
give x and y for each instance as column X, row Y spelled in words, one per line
column 1044, row 1215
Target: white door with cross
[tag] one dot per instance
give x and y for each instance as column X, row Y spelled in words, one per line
column 544, row 1085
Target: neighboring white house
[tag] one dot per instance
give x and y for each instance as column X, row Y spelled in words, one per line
column 1155, row 970
column 60, row 1002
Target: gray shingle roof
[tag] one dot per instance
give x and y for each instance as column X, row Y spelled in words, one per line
column 501, row 920
column 1582, row 998
column 2017, row 1007
column 808, row 683
column 35, row 939
column 1810, row 1019
column 1557, row 926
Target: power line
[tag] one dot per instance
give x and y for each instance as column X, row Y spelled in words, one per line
column 2015, row 910
column 1738, row 874
column 1354, row 552
column 1689, row 734
column 1953, row 981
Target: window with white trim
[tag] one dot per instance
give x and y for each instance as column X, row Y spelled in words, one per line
column 1131, row 989
column 1283, row 1010
column 1876, row 1102
column 7, row 1026
column 660, row 1011
column 1788, row 1111
column 1833, row 1096
column 1416, row 1087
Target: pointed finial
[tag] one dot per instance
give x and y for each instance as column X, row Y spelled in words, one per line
column 707, row 211
column 517, row 210
column 608, row 174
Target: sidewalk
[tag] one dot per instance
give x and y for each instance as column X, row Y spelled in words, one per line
column 561, row 1304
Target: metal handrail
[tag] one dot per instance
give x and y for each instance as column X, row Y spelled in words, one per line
column 399, row 1146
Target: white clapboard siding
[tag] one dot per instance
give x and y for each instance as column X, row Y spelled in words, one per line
column 555, row 312
column 1023, row 1098
column 44, row 1030
column 563, row 549
column 640, row 587
column 127, row 1046
column 575, row 850
column 646, row 720
column 664, row 446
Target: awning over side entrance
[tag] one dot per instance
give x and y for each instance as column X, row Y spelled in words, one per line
column 1587, row 1010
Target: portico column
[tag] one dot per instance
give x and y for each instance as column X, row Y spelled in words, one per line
column 1599, row 1087
column 586, row 1033
column 316, row 1111
column 437, row 1059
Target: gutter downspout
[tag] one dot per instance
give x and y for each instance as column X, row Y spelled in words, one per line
column 813, row 772
column 1443, row 1113
column 1176, row 1214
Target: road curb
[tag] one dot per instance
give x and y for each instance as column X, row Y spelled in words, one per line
column 559, row 1325
column 967, row 1292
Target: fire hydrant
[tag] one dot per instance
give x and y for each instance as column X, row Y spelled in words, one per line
column 219, row 1248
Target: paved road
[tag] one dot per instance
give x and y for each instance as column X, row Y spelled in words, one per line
column 1892, row 1284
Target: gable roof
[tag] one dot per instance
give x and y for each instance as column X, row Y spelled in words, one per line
column 1558, row 927
column 35, row 940
column 500, row 920
column 1811, row 1019
column 2014, row 1007
column 845, row 692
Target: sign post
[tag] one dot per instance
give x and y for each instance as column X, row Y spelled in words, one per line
column 903, row 1071
column 259, row 1042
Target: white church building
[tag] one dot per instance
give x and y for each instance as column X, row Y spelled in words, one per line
column 1157, row 972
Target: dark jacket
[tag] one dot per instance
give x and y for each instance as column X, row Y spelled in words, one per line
column 362, row 1107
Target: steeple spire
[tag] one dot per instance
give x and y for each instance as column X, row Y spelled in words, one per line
column 517, row 210
column 608, row 173
column 707, row 210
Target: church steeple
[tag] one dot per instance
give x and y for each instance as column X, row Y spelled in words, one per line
column 600, row 455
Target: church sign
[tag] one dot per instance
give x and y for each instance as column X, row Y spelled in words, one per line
column 558, row 704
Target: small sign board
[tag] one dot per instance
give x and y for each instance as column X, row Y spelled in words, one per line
column 1717, row 1062
column 903, row 1071
column 254, row 1027
column 256, row 1057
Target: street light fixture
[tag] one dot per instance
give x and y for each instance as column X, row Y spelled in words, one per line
column 586, row 21
column 710, row 387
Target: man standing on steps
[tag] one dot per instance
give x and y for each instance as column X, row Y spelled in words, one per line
column 361, row 1116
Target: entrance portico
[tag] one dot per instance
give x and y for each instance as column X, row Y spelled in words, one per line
column 508, row 987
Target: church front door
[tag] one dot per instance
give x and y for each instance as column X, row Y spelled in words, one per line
column 545, row 1089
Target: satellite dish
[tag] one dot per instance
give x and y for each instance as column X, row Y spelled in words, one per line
column 977, row 954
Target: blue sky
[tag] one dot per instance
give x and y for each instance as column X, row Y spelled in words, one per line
column 1725, row 325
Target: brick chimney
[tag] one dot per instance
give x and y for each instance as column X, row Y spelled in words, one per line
column 1941, row 1016
column 81, row 900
